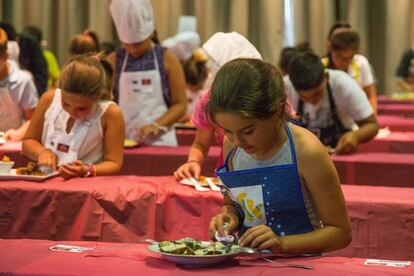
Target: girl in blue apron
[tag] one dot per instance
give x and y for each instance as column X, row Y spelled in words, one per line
column 76, row 127
column 281, row 190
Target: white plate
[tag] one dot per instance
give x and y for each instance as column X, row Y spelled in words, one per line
column 13, row 176
column 193, row 260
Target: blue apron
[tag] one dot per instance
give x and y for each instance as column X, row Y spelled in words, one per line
column 268, row 195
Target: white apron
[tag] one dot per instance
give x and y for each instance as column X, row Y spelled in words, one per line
column 10, row 115
column 141, row 101
column 65, row 145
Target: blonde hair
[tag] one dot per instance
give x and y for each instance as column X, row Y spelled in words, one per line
column 87, row 76
column 3, row 41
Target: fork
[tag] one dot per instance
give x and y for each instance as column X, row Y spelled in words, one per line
column 250, row 250
column 197, row 185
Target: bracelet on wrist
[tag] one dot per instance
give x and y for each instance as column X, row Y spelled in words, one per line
column 91, row 170
column 193, row 161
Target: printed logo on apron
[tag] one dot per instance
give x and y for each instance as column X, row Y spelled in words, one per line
column 251, row 201
column 63, row 147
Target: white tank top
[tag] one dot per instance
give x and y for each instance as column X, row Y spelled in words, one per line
column 91, row 149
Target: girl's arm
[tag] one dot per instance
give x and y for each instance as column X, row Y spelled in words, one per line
column 176, row 81
column 324, row 186
column 198, row 151
column 114, row 134
column 371, row 91
column 32, row 146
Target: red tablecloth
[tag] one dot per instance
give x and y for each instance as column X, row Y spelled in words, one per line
column 138, row 161
column 130, row 208
column 371, row 168
column 367, row 168
column 32, row 257
column 185, row 137
column 164, row 160
column 384, row 99
column 396, row 123
column 396, row 142
column 396, row 109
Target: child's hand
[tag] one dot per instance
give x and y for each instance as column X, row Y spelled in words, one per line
column 217, row 222
column 74, row 169
column 13, row 135
column 260, row 237
column 47, row 158
column 348, row 143
column 149, row 130
column 191, row 169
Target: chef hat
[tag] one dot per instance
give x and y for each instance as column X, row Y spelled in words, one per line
column 183, row 44
column 134, row 19
column 224, row 47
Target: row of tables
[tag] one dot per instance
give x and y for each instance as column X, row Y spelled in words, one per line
column 32, row 257
column 132, row 208
column 364, row 168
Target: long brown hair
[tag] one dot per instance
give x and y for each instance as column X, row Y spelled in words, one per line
column 88, row 76
column 249, row 87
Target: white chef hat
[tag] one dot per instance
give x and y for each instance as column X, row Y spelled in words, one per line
column 224, row 47
column 134, row 19
column 183, row 44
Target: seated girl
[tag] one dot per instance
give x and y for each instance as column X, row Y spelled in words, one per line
column 77, row 128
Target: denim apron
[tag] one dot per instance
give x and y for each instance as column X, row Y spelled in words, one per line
column 328, row 135
column 268, row 195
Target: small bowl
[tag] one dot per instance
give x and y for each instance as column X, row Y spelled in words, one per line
column 5, row 167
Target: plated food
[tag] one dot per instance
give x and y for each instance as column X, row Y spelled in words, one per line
column 30, row 169
column 128, row 143
column 31, row 172
column 194, row 253
column 189, row 246
column 5, row 165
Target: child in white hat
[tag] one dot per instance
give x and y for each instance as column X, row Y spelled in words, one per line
column 185, row 46
column 149, row 81
column 220, row 48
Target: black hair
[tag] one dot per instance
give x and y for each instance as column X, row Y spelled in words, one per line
column 306, row 71
column 338, row 25
column 286, row 56
column 9, row 29
column 34, row 33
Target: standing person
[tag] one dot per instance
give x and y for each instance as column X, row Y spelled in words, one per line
column 220, row 48
column 18, row 95
column 30, row 57
column 149, row 81
column 185, row 46
column 76, row 127
column 330, row 104
column 53, row 68
column 273, row 194
column 343, row 55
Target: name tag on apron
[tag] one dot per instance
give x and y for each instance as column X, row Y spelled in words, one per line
column 62, row 147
